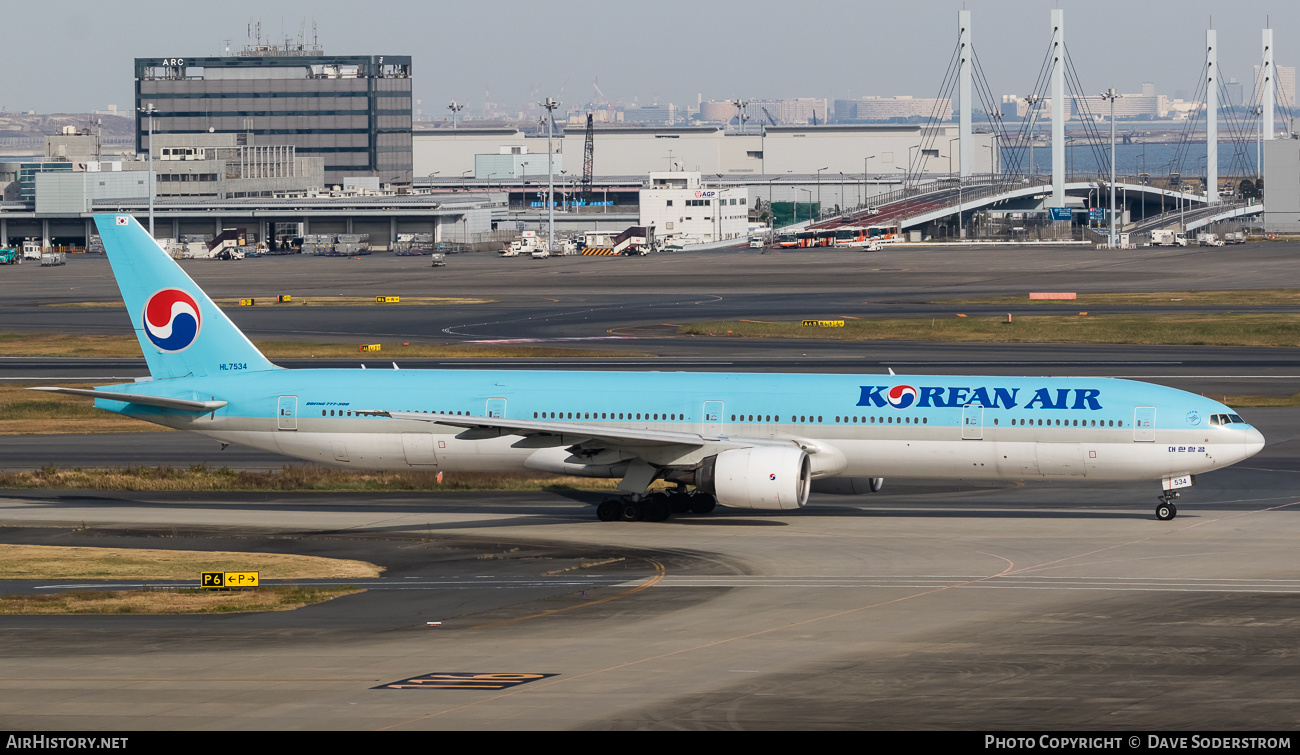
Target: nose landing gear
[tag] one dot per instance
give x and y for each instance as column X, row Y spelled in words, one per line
column 1167, row 510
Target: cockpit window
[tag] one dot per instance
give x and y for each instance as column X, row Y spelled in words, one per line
column 1226, row 419
column 1236, row 418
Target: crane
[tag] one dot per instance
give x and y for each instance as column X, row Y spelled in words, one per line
column 588, row 152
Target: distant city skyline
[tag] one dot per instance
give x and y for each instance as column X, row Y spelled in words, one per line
column 512, row 53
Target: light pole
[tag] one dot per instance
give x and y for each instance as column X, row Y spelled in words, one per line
column 796, row 204
column 550, row 106
column 431, row 175
column 818, row 211
column 866, row 161
column 1110, row 94
column 908, row 181
column 740, row 113
column 454, row 107
column 150, row 110
column 843, row 201
column 464, row 178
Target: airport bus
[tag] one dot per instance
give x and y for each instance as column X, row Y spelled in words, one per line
column 807, row 239
column 885, row 232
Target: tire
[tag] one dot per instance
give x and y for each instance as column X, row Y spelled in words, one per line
column 679, row 503
column 655, row 510
column 703, row 503
column 1166, row 511
column 630, row 511
column 607, row 511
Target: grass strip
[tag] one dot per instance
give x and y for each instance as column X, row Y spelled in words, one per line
column 155, row 602
column 289, row 478
column 1213, row 329
column 1257, row 401
column 127, row 347
column 75, row 562
column 24, row 412
column 1232, row 298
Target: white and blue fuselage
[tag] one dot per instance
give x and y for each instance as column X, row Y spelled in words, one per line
column 945, row 426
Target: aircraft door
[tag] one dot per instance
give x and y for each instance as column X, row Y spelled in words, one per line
column 713, row 417
column 972, row 422
column 287, row 413
column 496, row 407
column 419, row 449
column 1144, row 424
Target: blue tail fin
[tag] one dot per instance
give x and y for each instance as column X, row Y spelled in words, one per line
column 181, row 331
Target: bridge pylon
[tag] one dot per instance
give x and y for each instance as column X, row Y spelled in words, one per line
column 1058, row 109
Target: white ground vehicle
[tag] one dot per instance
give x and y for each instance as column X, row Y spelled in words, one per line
column 1166, row 237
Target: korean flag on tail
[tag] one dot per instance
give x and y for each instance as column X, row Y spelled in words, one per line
column 123, row 220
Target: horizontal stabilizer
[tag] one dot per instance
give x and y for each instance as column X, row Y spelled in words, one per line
column 181, row 404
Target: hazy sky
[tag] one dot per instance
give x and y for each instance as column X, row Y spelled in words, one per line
column 77, row 56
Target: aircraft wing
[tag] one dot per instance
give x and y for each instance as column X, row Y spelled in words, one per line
column 185, row 405
column 568, row 433
column 479, row 428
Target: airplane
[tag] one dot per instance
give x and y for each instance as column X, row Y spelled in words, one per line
column 753, row 441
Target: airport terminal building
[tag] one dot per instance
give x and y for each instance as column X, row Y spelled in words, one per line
column 352, row 110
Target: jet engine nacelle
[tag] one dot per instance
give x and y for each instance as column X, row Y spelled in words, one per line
column 770, row 479
column 848, row 485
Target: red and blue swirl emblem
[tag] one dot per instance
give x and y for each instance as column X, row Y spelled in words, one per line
column 172, row 319
column 901, row 396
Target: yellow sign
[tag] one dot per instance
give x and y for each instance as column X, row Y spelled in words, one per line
column 245, row 302
column 823, row 323
column 285, row 297
column 370, row 347
column 215, row 580
column 388, row 299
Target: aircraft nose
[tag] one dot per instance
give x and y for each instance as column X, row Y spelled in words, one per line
column 1254, row 442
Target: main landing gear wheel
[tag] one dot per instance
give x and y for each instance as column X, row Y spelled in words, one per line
column 702, row 503
column 608, row 510
column 630, row 511
column 655, row 509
